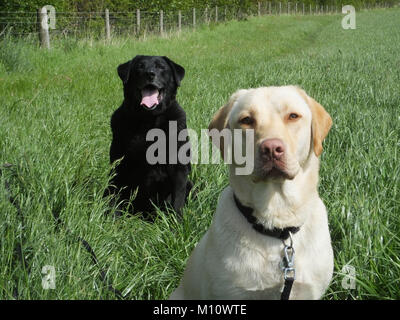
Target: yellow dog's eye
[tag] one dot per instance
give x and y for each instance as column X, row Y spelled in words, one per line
column 293, row 116
column 246, row 120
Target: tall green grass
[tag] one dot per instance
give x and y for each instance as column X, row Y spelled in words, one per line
column 54, row 127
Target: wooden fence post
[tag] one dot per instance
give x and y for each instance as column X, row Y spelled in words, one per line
column 303, row 9
column 280, row 8
column 108, row 33
column 216, row 13
column 138, row 20
column 206, row 15
column 296, row 9
column 43, row 26
column 161, row 22
column 194, row 17
column 179, row 20
column 259, row 8
column 288, row 8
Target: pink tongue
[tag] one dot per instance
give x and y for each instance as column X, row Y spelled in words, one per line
column 149, row 97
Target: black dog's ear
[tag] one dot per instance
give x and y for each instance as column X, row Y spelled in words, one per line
column 178, row 71
column 124, row 70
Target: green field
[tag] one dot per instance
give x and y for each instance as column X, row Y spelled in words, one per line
column 54, row 127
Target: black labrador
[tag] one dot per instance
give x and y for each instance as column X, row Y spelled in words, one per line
column 150, row 87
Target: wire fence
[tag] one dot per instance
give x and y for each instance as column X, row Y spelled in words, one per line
column 139, row 23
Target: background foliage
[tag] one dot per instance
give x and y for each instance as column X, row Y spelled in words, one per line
column 84, row 19
column 155, row 5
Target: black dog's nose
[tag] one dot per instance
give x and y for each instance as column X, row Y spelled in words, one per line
column 150, row 74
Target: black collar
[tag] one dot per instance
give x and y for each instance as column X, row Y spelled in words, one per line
column 278, row 233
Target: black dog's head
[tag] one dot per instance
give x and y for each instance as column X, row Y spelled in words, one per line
column 150, row 82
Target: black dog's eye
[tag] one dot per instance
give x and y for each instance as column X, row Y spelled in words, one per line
column 160, row 66
column 246, row 121
column 140, row 66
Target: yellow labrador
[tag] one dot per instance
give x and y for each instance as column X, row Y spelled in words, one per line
column 242, row 254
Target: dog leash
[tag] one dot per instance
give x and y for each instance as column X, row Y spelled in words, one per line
column 85, row 244
column 287, row 264
column 18, row 253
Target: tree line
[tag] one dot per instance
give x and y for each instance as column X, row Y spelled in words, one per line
column 156, row 5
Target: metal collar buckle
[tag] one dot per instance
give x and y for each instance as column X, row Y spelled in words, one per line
column 288, row 260
column 289, row 271
column 288, row 263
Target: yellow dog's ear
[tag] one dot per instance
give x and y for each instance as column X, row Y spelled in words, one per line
column 321, row 122
column 221, row 117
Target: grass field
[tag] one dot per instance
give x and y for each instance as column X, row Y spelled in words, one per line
column 54, row 127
